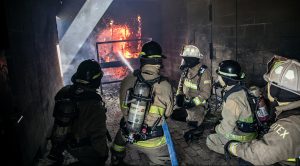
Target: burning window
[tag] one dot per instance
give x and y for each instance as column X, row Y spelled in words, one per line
column 118, row 47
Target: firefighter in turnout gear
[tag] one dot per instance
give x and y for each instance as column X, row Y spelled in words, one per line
column 194, row 87
column 145, row 97
column 281, row 143
column 238, row 121
column 80, row 120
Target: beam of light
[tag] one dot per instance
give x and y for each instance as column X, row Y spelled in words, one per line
column 125, row 61
column 59, row 59
column 19, row 120
column 79, row 30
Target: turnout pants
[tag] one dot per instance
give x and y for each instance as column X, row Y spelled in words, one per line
column 158, row 155
column 196, row 114
column 216, row 142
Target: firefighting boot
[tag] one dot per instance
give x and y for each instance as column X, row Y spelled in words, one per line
column 244, row 163
column 179, row 114
column 117, row 158
column 193, row 134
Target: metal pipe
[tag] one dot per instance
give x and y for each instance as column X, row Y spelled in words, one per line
column 128, row 40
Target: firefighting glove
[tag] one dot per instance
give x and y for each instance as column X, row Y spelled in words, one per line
column 180, row 100
column 230, row 149
column 189, row 104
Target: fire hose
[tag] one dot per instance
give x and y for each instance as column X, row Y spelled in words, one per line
column 170, row 144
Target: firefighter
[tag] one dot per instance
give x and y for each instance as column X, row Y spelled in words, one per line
column 281, row 143
column 194, row 87
column 80, row 119
column 238, row 120
column 150, row 100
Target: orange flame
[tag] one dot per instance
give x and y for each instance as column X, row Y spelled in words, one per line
column 110, row 52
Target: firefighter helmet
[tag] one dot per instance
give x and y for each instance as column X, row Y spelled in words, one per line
column 151, row 54
column 191, row 51
column 231, row 69
column 284, row 74
column 88, row 73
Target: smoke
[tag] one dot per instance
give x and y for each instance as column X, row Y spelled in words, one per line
column 76, row 35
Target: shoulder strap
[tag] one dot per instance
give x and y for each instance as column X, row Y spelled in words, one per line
column 236, row 88
column 201, row 70
column 250, row 98
column 200, row 73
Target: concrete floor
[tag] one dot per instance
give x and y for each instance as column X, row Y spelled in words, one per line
column 194, row 153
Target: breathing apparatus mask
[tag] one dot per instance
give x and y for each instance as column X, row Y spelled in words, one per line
column 190, row 62
column 191, row 56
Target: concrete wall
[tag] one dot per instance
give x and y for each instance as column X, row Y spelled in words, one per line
column 250, row 31
column 33, row 70
column 174, row 35
column 265, row 28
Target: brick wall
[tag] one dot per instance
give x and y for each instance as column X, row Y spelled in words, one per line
column 174, row 35
column 250, row 31
column 266, row 28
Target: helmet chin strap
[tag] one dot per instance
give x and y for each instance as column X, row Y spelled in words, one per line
column 269, row 94
column 221, row 81
column 283, row 103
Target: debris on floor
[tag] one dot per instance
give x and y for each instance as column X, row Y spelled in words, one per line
column 192, row 153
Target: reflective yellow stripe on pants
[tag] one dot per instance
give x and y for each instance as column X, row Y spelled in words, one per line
column 118, row 148
column 291, row 160
column 246, row 137
column 242, row 138
column 152, row 143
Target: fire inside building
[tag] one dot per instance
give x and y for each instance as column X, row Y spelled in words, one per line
column 149, row 82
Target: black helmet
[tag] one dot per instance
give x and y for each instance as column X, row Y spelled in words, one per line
column 151, row 54
column 88, row 73
column 230, row 69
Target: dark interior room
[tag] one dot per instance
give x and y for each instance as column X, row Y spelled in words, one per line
column 239, row 46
